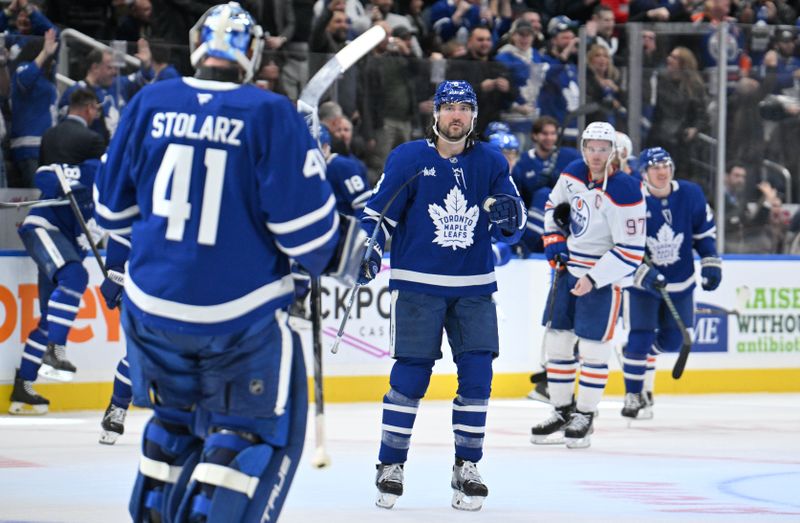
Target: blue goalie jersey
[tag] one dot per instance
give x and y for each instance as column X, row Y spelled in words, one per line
column 675, row 225
column 60, row 216
column 441, row 239
column 218, row 185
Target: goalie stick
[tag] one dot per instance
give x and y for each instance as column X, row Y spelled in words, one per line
column 307, row 106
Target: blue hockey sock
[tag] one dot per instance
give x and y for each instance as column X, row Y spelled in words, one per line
column 62, row 307
column 122, row 394
column 32, row 354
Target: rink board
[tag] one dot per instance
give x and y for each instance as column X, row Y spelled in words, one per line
column 756, row 351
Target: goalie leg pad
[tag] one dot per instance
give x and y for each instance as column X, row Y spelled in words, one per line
column 346, row 261
column 169, row 452
column 248, row 464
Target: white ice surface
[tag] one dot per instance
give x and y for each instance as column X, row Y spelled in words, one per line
column 713, row 458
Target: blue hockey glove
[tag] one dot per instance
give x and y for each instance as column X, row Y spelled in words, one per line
column 505, row 211
column 648, row 278
column 111, row 288
column 555, row 249
column 710, row 273
column 502, row 253
column 370, row 267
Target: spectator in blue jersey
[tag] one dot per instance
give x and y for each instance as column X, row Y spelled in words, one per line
column 444, row 198
column 205, row 174
column 527, row 70
column 113, row 89
column 54, row 240
column 560, row 94
column 453, row 19
column 679, row 222
column 33, row 99
column 492, row 80
column 20, row 20
column 782, row 62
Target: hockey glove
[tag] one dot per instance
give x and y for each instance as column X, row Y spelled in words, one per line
column 555, row 249
column 710, row 273
column 648, row 278
column 371, row 266
column 111, row 288
column 505, row 211
column 561, row 216
column 502, row 253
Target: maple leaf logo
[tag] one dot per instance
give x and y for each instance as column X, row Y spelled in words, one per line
column 455, row 223
column 666, row 246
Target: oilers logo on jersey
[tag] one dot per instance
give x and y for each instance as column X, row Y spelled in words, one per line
column 455, row 223
column 665, row 247
column 579, row 216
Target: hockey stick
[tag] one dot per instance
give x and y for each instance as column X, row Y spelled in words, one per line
column 33, row 203
column 78, row 216
column 320, row 458
column 324, row 78
column 370, row 245
column 742, row 297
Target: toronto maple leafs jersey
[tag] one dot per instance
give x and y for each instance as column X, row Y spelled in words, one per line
column 532, row 172
column 59, row 216
column 348, row 177
column 607, row 228
column 218, row 184
column 441, row 239
column 675, row 225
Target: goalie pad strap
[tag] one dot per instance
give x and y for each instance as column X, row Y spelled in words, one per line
column 225, row 477
column 158, row 470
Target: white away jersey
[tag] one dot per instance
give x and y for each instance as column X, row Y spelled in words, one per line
column 607, row 228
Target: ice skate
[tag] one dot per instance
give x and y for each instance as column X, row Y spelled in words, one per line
column 113, row 424
column 634, row 402
column 540, row 391
column 551, row 430
column 55, row 365
column 647, row 409
column 577, row 433
column 25, row 400
column 389, row 481
column 468, row 488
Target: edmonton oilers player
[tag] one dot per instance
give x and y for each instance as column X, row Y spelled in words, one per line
column 605, row 244
column 55, row 241
column 442, row 277
column 678, row 221
column 220, row 183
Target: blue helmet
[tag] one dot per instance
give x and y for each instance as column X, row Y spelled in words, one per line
column 455, row 92
column 324, row 136
column 229, row 32
column 654, row 156
column 497, row 127
column 505, row 141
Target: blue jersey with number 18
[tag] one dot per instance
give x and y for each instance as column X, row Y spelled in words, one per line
column 218, row 185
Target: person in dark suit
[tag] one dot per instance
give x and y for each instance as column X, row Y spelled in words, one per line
column 71, row 141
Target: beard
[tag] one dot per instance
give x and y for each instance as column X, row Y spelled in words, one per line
column 453, row 133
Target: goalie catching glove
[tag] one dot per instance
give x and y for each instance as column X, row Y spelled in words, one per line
column 506, row 212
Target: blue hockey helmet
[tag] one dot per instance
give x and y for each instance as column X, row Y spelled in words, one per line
column 455, row 92
column 505, row 141
column 497, row 127
column 324, row 136
column 655, row 156
column 229, row 32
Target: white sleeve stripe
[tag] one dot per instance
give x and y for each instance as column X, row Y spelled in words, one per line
column 303, row 221
column 108, row 214
column 294, row 252
column 121, row 239
column 375, row 214
column 386, row 234
column 711, row 232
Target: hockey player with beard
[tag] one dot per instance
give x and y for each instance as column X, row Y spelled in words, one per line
column 678, row 221
column 605, row 244
column 453, row 195
column 217, row 184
